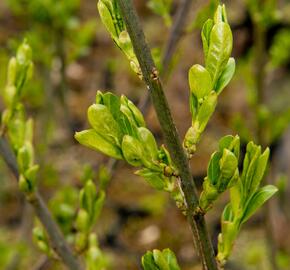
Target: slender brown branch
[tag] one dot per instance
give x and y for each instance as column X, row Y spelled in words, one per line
column 176, row 32
column 151, row 78
column 56, row 237
column 170, row 47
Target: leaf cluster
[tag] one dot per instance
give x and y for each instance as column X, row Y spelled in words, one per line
column 206, row 83
column 111, row 17
column 246, row 197
column 119, row 131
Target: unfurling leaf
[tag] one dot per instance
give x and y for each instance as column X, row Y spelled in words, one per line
column 219, row 51
column 132, row 150
column 199, row 81
column 93, row 140
column 104, row 123
column 258, row 199
column 148, row 141
column 205, row 35
column 206, row 110
column 226, row 75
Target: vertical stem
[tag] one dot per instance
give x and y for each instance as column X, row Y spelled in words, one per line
column 176, row 32
column 151, row 78
column 174, row 37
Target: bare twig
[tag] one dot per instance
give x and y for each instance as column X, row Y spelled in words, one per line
column 57, row 239
column 170, row 47
column 176, row 32
column 151, row 78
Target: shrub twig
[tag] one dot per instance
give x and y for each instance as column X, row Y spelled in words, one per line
column 151, row 78
column 57, row 239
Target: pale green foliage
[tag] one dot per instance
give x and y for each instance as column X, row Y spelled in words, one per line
column 95, row 258
column 118, row 130
column 160, row 260
column 162, row 8
column 19, row 129
column 41, row 240
column 91, row 203
column 246, row 198
column 206, row 83
column 111, row 18
column 222, row 172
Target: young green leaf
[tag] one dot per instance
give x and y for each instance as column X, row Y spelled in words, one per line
column 148, row 261
column 171, row 259
column 258, row 199
column 226, row 76
column 199, row 81
column 133, row 150
column 206, row 110
column 103, row 123
column 148, row 140
column 205, row 35
column 228, row 164
column 160, row 260
column 219, row 51
column 213, row 170
column 94, row 140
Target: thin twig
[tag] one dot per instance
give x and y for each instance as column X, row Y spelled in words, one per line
column 170, row 47
column 175, row 33
column 151, row 78
column 57, row 239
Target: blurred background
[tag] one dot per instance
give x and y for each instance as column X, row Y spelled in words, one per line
column 74, row 57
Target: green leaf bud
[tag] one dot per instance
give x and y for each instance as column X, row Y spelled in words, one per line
column 24, row 184
column 133, row 151
column 228, row 164
column 24, row 54
column 83, row 221
column 12, row 72
column 205, row 35
column 88, row 196
column 148, row 141
column 220, row 14
column 206, row 110
column 31, row 174
column 133, row 113
column 159, row 259
column 226, row 75
column 98, row 205
column 106, row 13
column 191, row 139
column 209, row 194
column 103, row 123
column 148, row 262
column 25, row 157
column 81, row 241
column 219, row 51
column 199, row 81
